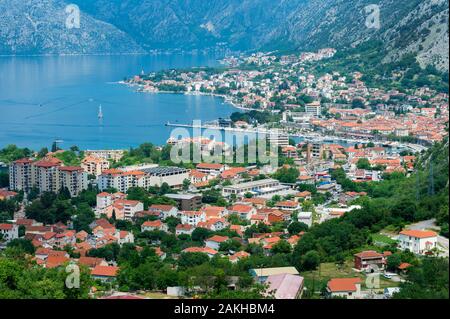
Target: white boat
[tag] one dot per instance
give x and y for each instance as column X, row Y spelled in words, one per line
column 100, row 113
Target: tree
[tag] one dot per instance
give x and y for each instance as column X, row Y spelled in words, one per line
column 363, row 163
column 393, row 261
column 4, row 179
column 281, row 247
column 23, row 244
column 230, row 245
column 186, row 184
column 200, row 234
column 287, row 175
column 297, row 227
column 164, row 189
column 189, row 260
column 84, row 217
column 310, row 261
column 428, row 280
column 43, row 152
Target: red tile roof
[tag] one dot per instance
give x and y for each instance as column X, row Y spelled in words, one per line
column 419, row 233
column 105, row 271
column 218, row 239
column 343, row 284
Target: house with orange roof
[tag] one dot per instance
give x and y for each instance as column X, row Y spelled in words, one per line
column 9, row 232
column 349, row 288
column 181, row 229
column 238, row 256
column 205, row 250
column 293, row 240
column 5, row 194
column 259, row 218
column 243, row 211
column 81, row 235
column 417, row 241
column 165, row 210
column 196, row 176
column 215, row 241
column 290, row 151
column 214, row 212
column 124, row 237
column 369, row 261
column 92, row 262
column 124, row 209
column 154, row 225
column 55, row 261
column 238, row 229
column 305, row 195
column 82, row 248
column 288, row 205
column 255, row 201
column 233, row 172
column 105, row 273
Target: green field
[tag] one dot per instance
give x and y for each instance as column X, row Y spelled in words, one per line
column 382, row 239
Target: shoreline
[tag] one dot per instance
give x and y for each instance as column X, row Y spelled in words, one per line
column 223, row 97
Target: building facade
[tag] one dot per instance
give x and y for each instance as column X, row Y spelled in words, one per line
column 47, row 176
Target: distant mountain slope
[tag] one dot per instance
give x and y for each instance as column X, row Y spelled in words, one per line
column 287, row 24
column 39, row 27
column 418, row 27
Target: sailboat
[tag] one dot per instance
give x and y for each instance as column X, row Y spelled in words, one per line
column 100, row 113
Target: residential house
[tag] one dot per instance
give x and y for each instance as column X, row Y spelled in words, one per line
column 104, row 273
column 9, row 232
column 215, row 241
column 417, row 241
column 349, row 288
column 369, row 261
column 181, row 229
column 154, row 225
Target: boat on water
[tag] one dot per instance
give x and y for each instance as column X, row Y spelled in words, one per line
column 100, row 112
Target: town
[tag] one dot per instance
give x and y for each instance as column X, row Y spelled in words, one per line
column 328, row 222
column 294, row 97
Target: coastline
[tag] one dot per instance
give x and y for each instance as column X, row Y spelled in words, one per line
column 225, row 98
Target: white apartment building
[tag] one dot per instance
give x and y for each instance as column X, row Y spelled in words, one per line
column 156, row 176
column 313, row 109
column 9, row 232
column 417, row 241
column 278, row 139
column 258, row 188
column 192, row 217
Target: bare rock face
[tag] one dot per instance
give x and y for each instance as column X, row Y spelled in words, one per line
column 44, row 27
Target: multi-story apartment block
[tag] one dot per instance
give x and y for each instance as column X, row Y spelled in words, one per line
column 114, row 155
column 94, row 165
column 47, row 175
column 156, row 176
column 20, row 175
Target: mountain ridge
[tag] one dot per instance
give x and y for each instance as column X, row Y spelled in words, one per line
column 249, row 25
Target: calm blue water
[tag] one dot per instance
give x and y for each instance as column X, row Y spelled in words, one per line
column 48, row 98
